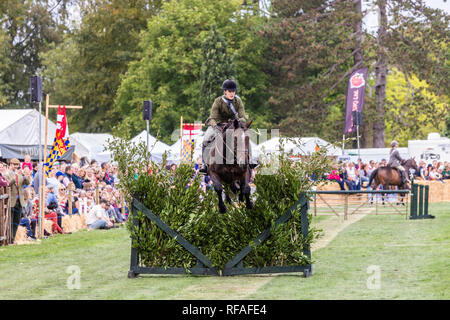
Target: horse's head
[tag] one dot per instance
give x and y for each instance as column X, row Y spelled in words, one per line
column 237, row 140
column 411, row 163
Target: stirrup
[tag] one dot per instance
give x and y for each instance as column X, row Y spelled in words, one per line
column 203, row 170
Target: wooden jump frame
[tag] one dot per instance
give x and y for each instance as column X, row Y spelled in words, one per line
column 345, row 197
column 235, row 266
column 418, row 197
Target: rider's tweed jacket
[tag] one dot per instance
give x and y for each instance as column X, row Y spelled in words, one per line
column 395, row 159
column 220, row 112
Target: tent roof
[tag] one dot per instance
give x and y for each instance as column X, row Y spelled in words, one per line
column 301, row 146
column 91, row 145
column 156, row 147
column 21, row 127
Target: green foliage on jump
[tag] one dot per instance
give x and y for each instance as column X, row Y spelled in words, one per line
column 178, row 200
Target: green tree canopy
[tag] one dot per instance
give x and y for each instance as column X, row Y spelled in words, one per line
column 168, row 71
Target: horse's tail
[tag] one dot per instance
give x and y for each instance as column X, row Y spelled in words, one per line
column 372, row 176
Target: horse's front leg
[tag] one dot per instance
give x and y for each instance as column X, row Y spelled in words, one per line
column 219, row 189
column 245, row 191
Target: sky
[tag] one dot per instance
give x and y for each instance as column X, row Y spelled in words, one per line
column 370, row 22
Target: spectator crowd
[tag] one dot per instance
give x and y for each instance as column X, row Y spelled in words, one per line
column 357, row 175
column 91, row 188
column 88, row 185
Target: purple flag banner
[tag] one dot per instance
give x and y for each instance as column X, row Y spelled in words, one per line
column 355, row 98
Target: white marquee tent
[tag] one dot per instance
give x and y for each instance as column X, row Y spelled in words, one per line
column 157, row 148
column 175, row 150
column 300, row 146
column 19, row 134
column 92, row 145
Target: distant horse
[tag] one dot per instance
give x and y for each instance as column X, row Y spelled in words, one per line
column 230, row 162
column 389, row 176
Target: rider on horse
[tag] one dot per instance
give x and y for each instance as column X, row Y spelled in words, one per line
column 395, row 161
column 228, row 106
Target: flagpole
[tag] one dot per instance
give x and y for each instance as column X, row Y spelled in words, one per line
column 47, row 106
column 181, row 138
column 40, row 166
column 41, row 226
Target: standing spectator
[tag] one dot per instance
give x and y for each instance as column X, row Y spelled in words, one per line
column 27, row 162
column 17, row 178
column 422, row 170
column 53, row 181
column 50, row 195
column 3, row 181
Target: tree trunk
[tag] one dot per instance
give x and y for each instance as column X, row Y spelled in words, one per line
column 358, row 56
column 380, row 87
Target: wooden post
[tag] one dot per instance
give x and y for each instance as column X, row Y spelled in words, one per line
column 346, row 206
column 181, row 137
column 123, row 205
column 315, row 205
column 47, row 106
column 70, row 187
column 97, row 194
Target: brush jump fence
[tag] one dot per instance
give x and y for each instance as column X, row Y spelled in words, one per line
column 235, row 266
column 343, row 203
column 5, row 216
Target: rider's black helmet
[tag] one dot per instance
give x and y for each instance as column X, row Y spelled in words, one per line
column 229, row 85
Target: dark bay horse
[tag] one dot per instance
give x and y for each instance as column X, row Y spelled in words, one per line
column 229, row 164
column 389, row 177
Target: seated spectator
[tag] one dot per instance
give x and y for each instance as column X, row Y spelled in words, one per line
column 106, row 175
column 97, row 218
column 77, row 181
column 334, row 176
column 435, row 175
column 446, row 170
column 350, row 184
column 364, row 175
column 28, row 219
column 53, row 216
column 50, row 195
column 62, row 199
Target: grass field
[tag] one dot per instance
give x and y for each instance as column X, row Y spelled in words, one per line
column 412, row 258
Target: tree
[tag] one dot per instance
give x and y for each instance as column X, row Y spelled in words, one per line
column 100, row 51
column 217, row 65
column 310, row 53
column 29, row 27
column 414, row 40
column 412, row 109
column 168, row 68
